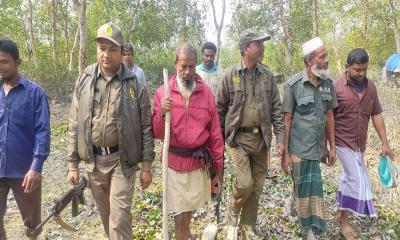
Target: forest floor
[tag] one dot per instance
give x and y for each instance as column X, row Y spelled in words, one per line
column 273, row 220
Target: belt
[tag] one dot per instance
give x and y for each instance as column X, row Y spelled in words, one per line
column 105, row 150
column 201, row 153
column 253, row 130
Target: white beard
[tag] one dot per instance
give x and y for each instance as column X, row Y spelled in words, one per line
column 186, row 87
column 322, row 73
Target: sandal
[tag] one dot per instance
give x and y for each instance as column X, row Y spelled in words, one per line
column 348, row 233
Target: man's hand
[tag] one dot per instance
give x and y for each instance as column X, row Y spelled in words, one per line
column 73, row 176
column 331, row 157
column 166, row 105
column 386, row 150
column 145, row 178
column 285, row 163
column 31, row 181
column 281, row 149
column 325, row 157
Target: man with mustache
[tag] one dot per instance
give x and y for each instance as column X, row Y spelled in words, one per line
column 24, row 139
column 196, row 143
column 110, row 130
column 308, row 105
column 210, row 72
column 249, row 105
column 358, row 103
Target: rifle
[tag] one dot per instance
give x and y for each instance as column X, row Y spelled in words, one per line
column 218, row 205
column 74, row 195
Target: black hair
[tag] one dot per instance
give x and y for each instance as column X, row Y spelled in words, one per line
column 209, row 45
column 128, row 47
column 10, row 47
column 357, row 56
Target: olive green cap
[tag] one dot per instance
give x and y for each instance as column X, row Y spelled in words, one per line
column 112, row 32
column 250, row 35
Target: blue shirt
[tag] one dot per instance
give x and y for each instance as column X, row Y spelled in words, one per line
column 24, row 129
column 202, row 67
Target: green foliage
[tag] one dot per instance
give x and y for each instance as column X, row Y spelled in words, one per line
column 154, row 27
column 343, row 25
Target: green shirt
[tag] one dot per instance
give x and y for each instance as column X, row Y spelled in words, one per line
column 309, row 105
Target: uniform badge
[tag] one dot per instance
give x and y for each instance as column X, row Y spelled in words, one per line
column 109, row 30
column 325, row 89
column 132, row 92
column 236, row 79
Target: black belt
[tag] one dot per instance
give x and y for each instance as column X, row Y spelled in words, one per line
column 254, row 130
column 105, row 150
column 201, row 153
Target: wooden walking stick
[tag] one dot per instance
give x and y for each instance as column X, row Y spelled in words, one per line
column 165, row 158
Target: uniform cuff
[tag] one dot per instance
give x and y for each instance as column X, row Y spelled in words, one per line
column 146, row 165
column 73, row 165
column 37, row 165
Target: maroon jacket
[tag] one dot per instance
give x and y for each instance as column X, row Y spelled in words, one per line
column 192, row 127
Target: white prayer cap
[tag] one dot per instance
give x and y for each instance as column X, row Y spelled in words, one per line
column 311, row 45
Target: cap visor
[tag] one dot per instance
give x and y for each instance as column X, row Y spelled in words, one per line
column 109, row 39
column 264, row 38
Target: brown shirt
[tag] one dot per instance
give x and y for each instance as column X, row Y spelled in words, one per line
column 231, row 102
column 353, row 113
column 250, row 114
column 104, row 120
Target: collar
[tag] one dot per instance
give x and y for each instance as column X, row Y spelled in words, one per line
column 202, row 67
column 22, row 81
column 305, row 77
column 241, row 67
column 118, row 73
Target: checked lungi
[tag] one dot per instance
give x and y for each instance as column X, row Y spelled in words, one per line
column 308, row 193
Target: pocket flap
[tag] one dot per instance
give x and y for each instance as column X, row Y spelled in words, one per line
column 305, row 100
column 326, row 97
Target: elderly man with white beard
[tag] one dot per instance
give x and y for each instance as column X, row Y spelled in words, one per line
column 308, row 106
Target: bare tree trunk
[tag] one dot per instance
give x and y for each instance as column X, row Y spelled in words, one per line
column 365, row 22
column 81, row 6
column 26, row 35
column 396, row 28
column 314, row 13
column 184, row 32
column 65, row 26
column 132, row 14
column 218, row 27
column 31, row 34
column 287, row 38
column 73, row 51
column 335, row 49
column 53, row 4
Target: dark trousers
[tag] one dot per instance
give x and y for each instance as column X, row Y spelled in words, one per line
column 29, row 204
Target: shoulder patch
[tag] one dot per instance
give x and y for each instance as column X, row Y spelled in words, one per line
column 294, row 79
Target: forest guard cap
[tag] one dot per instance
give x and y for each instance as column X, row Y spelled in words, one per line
column 249, row 35
column 112, row 32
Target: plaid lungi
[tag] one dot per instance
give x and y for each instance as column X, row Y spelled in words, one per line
column 308, row 193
